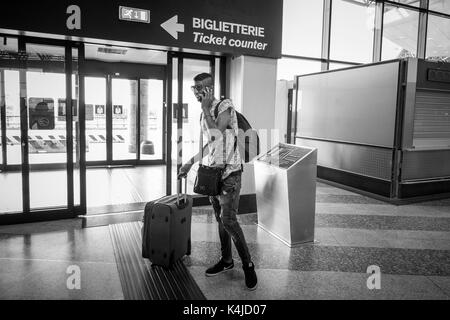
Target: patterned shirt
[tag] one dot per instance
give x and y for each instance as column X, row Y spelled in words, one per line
column 217, row 154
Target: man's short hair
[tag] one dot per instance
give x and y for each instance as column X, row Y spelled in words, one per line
column 202, row 76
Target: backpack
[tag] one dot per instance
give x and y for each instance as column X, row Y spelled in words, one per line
column 247, row 140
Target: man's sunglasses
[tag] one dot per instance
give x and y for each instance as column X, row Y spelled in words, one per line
column 197, row 88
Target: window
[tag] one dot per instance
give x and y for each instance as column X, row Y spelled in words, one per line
column 414, row 3
column 12, row 102
column 288, row 68
column 352, row 31
column 438, row 37
column 442, row 6
column 400, row 33
column 302, row 27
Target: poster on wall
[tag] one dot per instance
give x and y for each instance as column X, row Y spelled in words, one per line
column 118, row 111
column 89, row 112
column 41, row 113
column 62, row 110
column 185, row 111
column 100, row 110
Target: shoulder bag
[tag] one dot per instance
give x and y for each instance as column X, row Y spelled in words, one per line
column 209, row 179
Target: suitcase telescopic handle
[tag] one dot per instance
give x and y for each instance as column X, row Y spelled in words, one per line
column 179, row 190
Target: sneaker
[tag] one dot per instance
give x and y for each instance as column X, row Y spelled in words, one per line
column 218, row 268
column 251, row 281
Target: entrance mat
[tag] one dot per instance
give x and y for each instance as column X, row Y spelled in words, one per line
column 142, row 281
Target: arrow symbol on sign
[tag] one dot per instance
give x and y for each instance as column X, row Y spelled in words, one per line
column 173, row 27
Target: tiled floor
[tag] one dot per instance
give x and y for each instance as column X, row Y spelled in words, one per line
column 34, row 264
column 410, row 244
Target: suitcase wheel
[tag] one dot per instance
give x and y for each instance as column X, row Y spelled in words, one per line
column 183, row 220
column 153, row 216
column 188, row 252
column 167, row 219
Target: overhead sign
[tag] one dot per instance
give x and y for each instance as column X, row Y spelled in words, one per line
column 222, row 33
column 133, row 14
column 244, row 27
column 173, row 27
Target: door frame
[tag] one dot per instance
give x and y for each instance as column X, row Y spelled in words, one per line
column 180, row 56
column 70, row 210
column 108, row 70
column 3, row 141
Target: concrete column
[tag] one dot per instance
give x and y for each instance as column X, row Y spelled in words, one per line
column 252, row 85
column 144, row 111
column 132, row 114
column 281, row 108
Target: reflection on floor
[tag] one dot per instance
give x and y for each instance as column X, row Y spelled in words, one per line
column 10, row 192
column 108, row 189
column 410, row 244
column 123, row 186
column 105, row 189
column 127, row 188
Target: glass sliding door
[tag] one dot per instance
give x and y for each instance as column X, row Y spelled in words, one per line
column 191, row 111
column 47, row 131
column 127, row 129
column 186, row 110
column 40, row 105
column 47, row 139
column 12, row 102
column 115, row 103
column 95, row 109
column 152, row 140
column 11, row 200
column 76, row 131
column 124, row 119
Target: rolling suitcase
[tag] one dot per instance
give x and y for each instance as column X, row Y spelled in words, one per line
column 166, row 231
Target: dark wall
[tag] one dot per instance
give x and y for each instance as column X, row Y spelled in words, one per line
column 433, row 75
column 100, row 20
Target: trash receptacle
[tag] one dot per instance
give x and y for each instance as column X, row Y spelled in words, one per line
column 147, row 148
column 285, row 181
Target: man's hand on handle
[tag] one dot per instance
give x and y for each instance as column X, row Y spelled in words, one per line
column 184, row 170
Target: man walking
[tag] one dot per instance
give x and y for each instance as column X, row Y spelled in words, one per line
column 227, row 203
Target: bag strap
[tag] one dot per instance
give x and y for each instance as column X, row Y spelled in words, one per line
column 216, row 110
column 200, row 144
column 216, row 114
